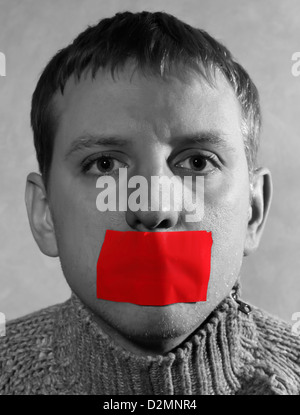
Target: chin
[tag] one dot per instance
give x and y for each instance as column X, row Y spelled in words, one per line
column 151, row 324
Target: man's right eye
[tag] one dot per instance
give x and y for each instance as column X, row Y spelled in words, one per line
column 102, row 165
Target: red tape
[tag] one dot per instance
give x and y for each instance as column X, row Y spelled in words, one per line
column 154, row 268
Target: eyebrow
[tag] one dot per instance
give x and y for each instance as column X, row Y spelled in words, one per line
column 91, row 140
column 215, row 138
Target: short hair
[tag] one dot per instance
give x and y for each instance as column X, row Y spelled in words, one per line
column 157, row 43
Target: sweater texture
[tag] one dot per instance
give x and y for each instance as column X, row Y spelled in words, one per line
column 61, row 350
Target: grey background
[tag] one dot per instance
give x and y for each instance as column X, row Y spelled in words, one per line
column 262, row 35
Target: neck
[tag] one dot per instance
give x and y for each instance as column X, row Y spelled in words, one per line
column 143, row 346
column 209, row 361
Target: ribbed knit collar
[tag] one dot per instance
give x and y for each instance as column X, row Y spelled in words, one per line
column 212, row 361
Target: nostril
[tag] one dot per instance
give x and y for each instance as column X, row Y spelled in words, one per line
column 166, row 223
column 152, row 225
column 151, row 220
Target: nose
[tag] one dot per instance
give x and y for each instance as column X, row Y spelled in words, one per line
column 158, row 213
column 151, row 220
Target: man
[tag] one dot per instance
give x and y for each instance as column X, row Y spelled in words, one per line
column 153, row 96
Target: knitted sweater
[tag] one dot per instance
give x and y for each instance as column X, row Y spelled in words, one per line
column 61, row 350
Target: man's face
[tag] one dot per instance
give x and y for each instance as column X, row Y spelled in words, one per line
column 154, row 117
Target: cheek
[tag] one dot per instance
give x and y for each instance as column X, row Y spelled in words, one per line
column 80, row 230
column 228, row 227
column 226, row 217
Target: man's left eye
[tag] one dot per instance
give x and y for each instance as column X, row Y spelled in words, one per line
column 198, row 163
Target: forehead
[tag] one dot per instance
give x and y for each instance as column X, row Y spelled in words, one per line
column 134, row 104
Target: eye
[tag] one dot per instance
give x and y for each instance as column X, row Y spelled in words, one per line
column 198, row 163
column 102, row 165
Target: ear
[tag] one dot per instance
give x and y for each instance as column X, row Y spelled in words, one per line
column 39, row 215
column 261, row 192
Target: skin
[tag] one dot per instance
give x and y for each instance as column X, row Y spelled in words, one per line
column 149, row 113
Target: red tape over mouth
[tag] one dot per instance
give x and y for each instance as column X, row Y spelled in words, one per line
column 154, row 268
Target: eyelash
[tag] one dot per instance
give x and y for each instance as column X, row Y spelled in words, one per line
column 87, row 164
column 208, row 157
